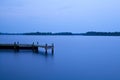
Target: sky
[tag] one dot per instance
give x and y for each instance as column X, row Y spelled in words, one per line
column 59, row 15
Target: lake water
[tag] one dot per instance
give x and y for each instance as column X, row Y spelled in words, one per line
column 75, row 58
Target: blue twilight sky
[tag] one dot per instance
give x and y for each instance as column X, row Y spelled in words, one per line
column 59, row 15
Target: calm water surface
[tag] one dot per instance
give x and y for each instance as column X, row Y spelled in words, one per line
column 75, row 58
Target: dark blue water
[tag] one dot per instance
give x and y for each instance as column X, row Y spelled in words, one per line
column 75, row 58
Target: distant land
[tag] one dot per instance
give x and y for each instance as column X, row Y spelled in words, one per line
column 90, row 33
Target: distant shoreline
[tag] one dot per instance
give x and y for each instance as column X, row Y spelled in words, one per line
column 91, row 33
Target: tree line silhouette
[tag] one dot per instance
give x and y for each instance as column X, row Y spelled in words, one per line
column 90, row 33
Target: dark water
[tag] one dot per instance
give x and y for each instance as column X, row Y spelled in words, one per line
column 75, row 58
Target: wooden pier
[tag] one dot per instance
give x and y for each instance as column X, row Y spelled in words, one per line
column 16, row 46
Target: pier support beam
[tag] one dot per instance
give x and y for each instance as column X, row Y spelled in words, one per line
column 33, row 47
column 36, row 49
column 16, row 47
column 52, row 48
column 46, row 48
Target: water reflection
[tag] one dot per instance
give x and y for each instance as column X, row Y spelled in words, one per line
column 75, row 57
column 40, row 53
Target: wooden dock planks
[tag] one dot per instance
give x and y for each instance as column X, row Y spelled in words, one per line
column 33, row 47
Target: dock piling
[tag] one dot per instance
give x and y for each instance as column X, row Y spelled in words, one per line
column 52, row 48
column 46, row 48
column 33, row 47
column 16, row 46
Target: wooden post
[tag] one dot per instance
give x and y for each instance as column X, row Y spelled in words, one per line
column 17, row 47
column 36, row 49
column 14, row 46
column 46, row 48
column 37, row 43
column 52, row 48
column 33, row 47
column 17, row 42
